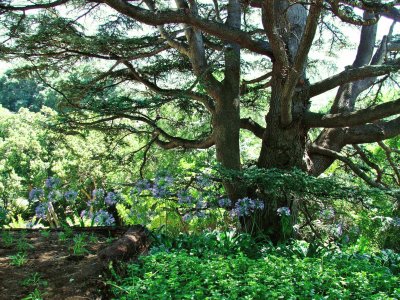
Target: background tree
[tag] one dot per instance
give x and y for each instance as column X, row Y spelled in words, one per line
column 147, row 60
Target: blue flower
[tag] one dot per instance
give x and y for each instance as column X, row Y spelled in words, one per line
column 86, row 214
column 203, row 181
column 98, row 194
column 52, row 182
column 283, row 211
column 247, row 206
column 35, row 194
column 142, row 185
column 111, row 198
column 41, row 211
column 185, row 198
column 187, row 217
column 103, row 217
column 71, row 195
column 224, row 202
column 200, row 214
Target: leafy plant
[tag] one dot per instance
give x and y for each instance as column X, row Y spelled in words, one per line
column 45, row 233
column 18, row 259
column 79, row 245
column 35, row 295
column 62, row 237
column 23, row 245
column 7, row 238
column 34, row 280
column 166, row 275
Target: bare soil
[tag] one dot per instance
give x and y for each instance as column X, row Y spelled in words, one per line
column 51, row 266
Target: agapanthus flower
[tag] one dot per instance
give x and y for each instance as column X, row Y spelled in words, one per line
column 185, row 198
column 52, row 182
column 71, row 195
column 41, row 211
column 200, row 214
column 201, row 204
column 142, row 185
column 86, row 214
column 339, row 229
column 283, row 211
column 98, row 194
column 203, row 181
column 111, row 198
column 328, row 213
column 159, row 191
column 35, row 194
column 224, row 202
column 103, row 217
column 187, row 217
column 247, row 206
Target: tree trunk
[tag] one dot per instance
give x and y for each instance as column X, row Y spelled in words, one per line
column 226, row 124
column 282, row 148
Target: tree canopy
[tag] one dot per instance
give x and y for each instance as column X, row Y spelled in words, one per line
column 192, row 74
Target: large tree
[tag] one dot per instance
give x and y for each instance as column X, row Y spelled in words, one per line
column 199, row 57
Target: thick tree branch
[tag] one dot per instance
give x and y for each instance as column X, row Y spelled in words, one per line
column 357, row 117
column 220, row 30
column 206, row 101
column 33, row 6
column 364, row 157
column 353, row 74
column 176, row 142
column 388, row 153
column 252, row 126
column 271, row 27
column 296, row 71
column 336, row 155
column 372, row 132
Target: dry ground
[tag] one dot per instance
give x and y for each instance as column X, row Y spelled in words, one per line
column 51, row 266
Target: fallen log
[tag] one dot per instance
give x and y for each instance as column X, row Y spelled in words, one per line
column 133, row 243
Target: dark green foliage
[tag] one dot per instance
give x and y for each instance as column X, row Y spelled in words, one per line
column 27, row 93
column 184, row 275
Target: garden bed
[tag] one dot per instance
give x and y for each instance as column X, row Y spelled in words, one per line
column 54, row 264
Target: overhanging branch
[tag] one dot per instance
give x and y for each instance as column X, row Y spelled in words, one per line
column 252, row 126
column 372, row 132
column 357, row 117
column 327, row 152
column 353, row 74
column 183, row 16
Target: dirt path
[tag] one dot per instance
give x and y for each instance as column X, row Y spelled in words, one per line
column 51, row 268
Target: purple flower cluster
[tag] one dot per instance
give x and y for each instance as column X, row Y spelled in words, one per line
column 203, row 181
column 142, row 185
column 111, row 198
column 100, row 217
column 98, row 194
column 185, row 198
column 52, row 182
column 328, row 213
column 187, row 217
column 41, row 211
column 86, row 214
column 103, row 217
column 35, row 194
column 247, row 206
column 71, row 195
column 224, row 202
column 283, row 211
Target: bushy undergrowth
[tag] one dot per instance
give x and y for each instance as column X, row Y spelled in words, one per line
column 212, row 266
